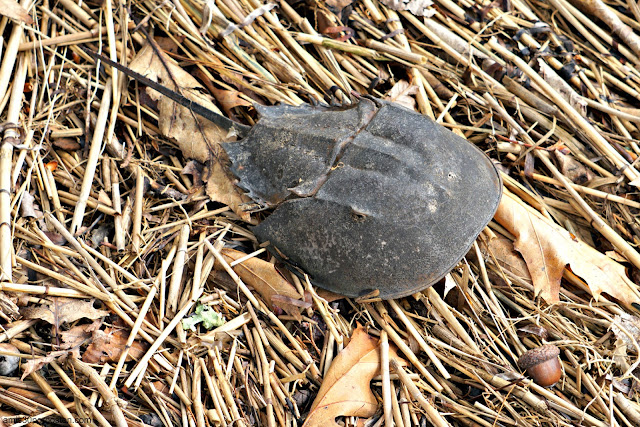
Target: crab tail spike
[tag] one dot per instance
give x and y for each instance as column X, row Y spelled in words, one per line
column 212, row 116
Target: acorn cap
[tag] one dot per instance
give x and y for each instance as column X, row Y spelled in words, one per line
column 538, row 355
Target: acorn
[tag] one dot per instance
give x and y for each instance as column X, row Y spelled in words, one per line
column 542, row 364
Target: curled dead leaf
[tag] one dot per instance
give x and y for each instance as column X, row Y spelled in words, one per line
column 28, row 206
column 58, row 310
column 265, row 279
column 108, row 345
column 66, row 144
column 78, row 334
column 34, row 364
column 548, row 248
column 573, row 169
column 346, row 389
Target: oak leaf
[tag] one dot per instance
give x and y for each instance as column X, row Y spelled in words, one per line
column 37, row 363
column 262, row 276
column 108, row 345
column 78, row 334
column 501, row 249
column 59, row 310
column 197, row 137
column 229, row 99
column 548, row 248
column 402, row 93
column 345, row 390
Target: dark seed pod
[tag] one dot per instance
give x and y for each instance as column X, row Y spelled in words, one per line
column 542, row 364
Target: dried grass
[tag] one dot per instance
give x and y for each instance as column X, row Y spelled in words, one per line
column 116, row 221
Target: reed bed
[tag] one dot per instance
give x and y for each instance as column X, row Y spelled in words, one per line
column 110, row 242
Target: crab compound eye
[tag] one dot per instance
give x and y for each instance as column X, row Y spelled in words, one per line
column 358, row 216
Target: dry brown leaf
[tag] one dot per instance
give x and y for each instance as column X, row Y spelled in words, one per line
column 28, row 207
column 626, row 328
column 33, row 365
column 416, row 7
column 264, row 278
column 328, row 295
column 502, row 250
column 108, row 345
column 12, row 9
column 573, row 169
column 345, row 390
column 66, row 144
column 194, row 169
column 548, row 248
column 229, row 99
column 401, row 93
column 78, row 334
column 60, row 310
column 198, row 138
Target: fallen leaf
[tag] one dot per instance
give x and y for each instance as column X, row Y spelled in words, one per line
column 12, row 9
column 60, row 310
column 67, row 144
column 626, row 328
column 108, row 345
column 197, row 138
column 504, row 253
column 346, row 389
column 33, row 365
column 194, row 169
column 401, row 93
column 229, row 99
column 328, row 295
column 416, row 7
column 78, row 334
column 168, row 44
column 535, row 330
column 265, row 279
column 220, row 187
column 573, row 169
column 29, row 207
column 56, row 238
column 548, row 248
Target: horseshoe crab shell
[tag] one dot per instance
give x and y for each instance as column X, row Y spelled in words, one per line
column 373, row 196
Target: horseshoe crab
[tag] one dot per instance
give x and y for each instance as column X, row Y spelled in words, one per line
column 369, row 197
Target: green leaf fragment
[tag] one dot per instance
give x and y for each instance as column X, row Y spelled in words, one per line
column 204, row 314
